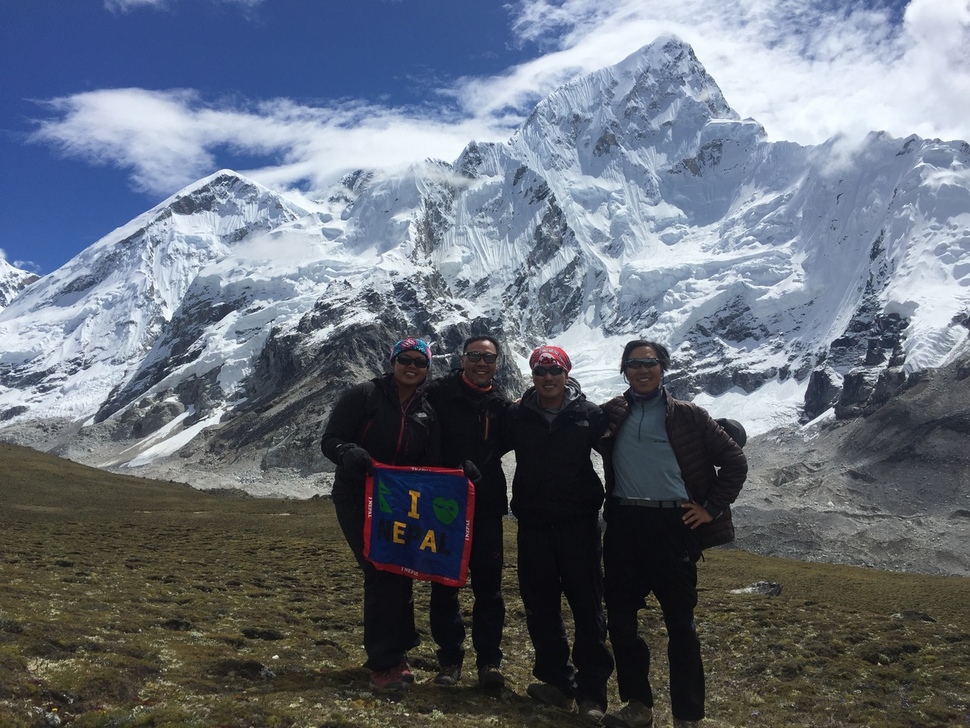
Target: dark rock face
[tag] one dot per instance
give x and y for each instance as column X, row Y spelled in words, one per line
column 823, row 392
column 869, row 353
column 869, row 356
column 865, row 390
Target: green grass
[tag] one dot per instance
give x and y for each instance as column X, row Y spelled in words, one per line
column 126, row 602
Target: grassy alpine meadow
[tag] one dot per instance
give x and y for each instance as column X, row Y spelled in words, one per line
column 128, row 602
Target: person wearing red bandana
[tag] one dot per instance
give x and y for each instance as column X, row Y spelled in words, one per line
column 556, row 498
column 470, row 409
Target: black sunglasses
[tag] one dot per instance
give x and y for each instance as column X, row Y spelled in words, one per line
column 553, row 370
column 477, row 356
column 638, row 363
column 419, row 361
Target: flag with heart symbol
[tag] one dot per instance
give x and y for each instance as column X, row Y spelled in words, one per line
column 418, row 522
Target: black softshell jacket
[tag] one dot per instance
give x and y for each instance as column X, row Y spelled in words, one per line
column 555, row 482
column 370, row 415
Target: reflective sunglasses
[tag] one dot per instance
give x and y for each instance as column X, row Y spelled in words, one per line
column 638, row 363
column 553, row 370
column 419, row 361
column 478, row 356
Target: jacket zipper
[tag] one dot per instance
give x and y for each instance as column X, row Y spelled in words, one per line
column 400, row 435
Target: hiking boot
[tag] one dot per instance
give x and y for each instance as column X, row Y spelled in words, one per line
column 590, row 712
column 490, row 677
column 404, row 667
column 680, row 723
column 551, row 695
column 448, row 675
column 632, row 715
column 388, row 680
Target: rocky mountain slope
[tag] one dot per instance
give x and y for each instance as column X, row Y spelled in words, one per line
column 890, row 490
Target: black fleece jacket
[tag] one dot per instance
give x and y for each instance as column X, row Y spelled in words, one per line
column 555, row 482
column 471, row 422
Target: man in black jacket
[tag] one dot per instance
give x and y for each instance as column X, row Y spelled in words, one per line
column 470, row 411
column 556, row 497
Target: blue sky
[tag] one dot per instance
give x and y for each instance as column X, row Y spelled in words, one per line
column 107, row 107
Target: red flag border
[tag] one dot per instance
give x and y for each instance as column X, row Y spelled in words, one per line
column 404, row 571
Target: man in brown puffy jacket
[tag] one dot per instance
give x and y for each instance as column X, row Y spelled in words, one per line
column 671, row 474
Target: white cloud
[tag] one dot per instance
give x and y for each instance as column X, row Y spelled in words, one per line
column 808, row 70
column 170, row 138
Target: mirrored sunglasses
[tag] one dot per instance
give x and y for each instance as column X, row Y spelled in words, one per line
column 543, row 371
column 638, row 363
column 405, row 361
column 478, row 356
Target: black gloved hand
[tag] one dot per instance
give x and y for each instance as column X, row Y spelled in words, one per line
column 472, row 472
column 357, row 460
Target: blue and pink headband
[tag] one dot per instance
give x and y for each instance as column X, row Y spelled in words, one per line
column 410, row 344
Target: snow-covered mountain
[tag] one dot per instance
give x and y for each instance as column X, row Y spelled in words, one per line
column 633, row 202
column 85, row 329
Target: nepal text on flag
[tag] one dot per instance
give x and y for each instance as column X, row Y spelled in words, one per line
column 419, row 522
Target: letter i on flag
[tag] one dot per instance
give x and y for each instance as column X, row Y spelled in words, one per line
column 418, row 522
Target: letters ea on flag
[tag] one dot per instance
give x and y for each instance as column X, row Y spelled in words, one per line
column 418, row 522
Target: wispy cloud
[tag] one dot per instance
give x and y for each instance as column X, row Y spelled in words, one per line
column 124, row 6
column 171, row 138
column 807, row 70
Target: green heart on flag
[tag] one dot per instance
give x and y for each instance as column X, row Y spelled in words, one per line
column 445, row 511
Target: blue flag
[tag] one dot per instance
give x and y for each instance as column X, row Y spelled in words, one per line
column 418, row 522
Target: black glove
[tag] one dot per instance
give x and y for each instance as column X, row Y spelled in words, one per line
column 357, row 460
column 472, row 472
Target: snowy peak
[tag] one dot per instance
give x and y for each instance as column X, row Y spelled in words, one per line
column 161, row 249
column 634, row 152
column 12, row 281
column 658, row 100
column 235, row 201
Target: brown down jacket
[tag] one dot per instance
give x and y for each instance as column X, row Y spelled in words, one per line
column 712, row 465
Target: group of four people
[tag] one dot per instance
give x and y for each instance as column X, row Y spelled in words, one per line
column 671, row 474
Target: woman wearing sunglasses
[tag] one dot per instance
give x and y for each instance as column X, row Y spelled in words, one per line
column 671, row 474
column 388, row 419
column 556, row 498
